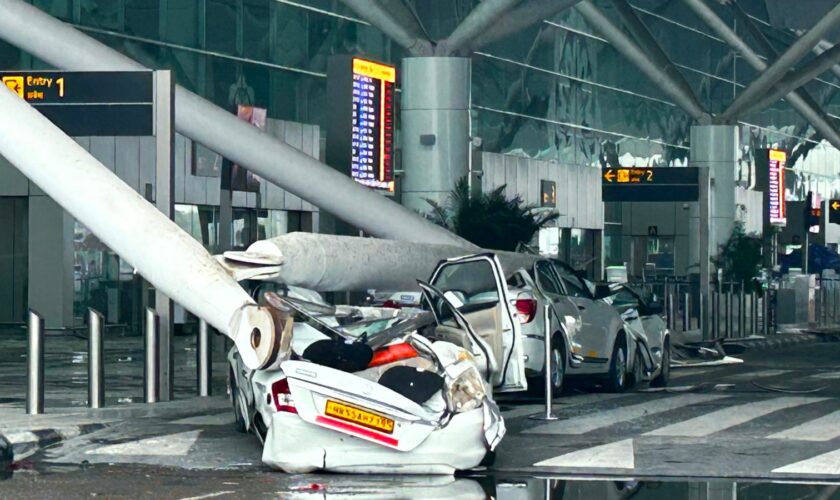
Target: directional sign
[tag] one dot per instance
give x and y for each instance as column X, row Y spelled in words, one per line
column 834, row 211
column 650, row 184
column 89, row 103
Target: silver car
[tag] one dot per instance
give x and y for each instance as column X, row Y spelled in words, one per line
column 589, row 337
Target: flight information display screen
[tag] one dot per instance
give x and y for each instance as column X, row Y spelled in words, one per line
column 373, row 124
column 776, row 204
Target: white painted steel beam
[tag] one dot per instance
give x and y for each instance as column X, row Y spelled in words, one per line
column 380, row 18
column 62, row 46
column 483, row 15
column 165, row 255
column 524, row 15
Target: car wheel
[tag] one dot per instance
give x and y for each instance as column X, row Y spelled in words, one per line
column 638, row 369
column 617, row 377
column 536, row 385
column 239, row 424
column 664, row 376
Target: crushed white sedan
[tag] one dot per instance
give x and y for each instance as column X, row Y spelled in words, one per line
column 364, row 390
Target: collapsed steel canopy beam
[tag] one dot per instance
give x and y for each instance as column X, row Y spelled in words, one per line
column 628, row 48
column 776, row 71
column 521, row 17
column 375, row 14
column 165, row 255
column 62, row 46
column 798, row 101
column 796, row 79
column 479, row 19
column 644, row 38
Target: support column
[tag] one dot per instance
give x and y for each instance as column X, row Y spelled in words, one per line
column 715, row 147
column 50, row 261
column 435, row 127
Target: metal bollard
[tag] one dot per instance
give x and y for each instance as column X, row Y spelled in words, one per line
column 96, row 367
column 716, row 313
column 672, row 322
column 686, row 312
column 765, row 312
column 730, row 327
column 742, row 312
column 204, row 359
column 753, row 313
column 151, row 366
column 547, row 341
column 702, row 318
column 35, row 364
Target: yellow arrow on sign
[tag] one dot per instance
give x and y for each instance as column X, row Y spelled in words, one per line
column 835, row 205
column 609, row 175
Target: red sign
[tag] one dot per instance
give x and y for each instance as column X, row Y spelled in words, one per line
column 778, row 213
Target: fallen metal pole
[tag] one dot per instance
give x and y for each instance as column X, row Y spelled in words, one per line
column 549, row 397
column 151, row 361
column 96, row 368
column 63, row 46
column 204, row 359
column 35, row 364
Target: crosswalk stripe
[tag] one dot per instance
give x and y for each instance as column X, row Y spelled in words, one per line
column 824, row 428
column 562, row 404
column 589, row 422
column 731, row 416
column 757, row 374
column 618, row 455
column 171, row 445
column 825, row 464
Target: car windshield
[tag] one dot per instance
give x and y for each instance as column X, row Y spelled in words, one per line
column 372, row 325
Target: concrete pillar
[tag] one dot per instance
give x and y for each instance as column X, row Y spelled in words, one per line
column 435, row 127
column 715, row 147
column 51, row 261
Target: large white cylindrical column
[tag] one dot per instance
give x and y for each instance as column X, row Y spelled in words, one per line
column 435, row 123
column 715, row 147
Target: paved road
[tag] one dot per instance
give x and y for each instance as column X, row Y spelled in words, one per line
column 692, row 430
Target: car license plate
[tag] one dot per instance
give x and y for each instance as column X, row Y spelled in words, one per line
column 359, row 416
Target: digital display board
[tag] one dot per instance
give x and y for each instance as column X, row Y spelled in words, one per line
column 834, row 211
column 776, row 187
column 117, row 103
column 360, row 130
column 650, row 184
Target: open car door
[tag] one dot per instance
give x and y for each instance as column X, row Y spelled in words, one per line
column 475, row 285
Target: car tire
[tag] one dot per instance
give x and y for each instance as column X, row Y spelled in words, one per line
column 617, row 376
column 536, row 385
column 239, row 423
column 664, row 376
column 638, row 370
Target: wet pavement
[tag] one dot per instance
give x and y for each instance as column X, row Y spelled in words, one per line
column 730, row 423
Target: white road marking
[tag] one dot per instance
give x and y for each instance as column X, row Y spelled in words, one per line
column 618, row 455
column 687, row 372
column 824, row 428
column 589, row 422
column 757, row 374
column 827, row 463
column 563, row 403
column 170, row 445
column 731, row 416
column 827, row 375
column 219, row 419
column 210, row 495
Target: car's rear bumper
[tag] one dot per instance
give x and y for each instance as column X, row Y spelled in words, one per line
column 296, row 446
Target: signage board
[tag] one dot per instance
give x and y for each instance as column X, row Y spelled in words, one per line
column 834, row 211
column 650, row 184
column 106, row 103
column 776, row 187
column 360, row 130
column 548, row 193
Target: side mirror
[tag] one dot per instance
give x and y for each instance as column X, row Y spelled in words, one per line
column 602, row 291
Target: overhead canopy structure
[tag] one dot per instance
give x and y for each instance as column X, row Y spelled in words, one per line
column 64, row 47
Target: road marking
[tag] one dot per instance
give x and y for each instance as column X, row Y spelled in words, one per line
column 591, row 421
column 559, row 405
column 824, row 428
column 827, row 375
column 687, row 372
column 170, row 445
column 731, row 416
column 219, row 419
column 757, row 374
column 827, row 463
column 618, row 455
column 210, row 495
